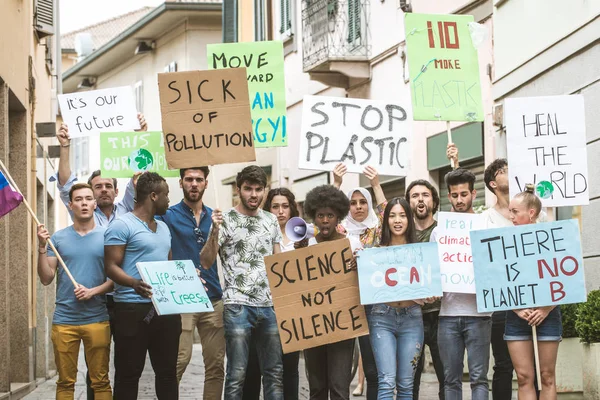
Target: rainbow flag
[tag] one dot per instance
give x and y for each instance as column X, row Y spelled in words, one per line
column 9, row 199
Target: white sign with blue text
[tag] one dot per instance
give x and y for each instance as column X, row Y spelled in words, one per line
column 176, row 287
column 397, row 273
column 532, row 265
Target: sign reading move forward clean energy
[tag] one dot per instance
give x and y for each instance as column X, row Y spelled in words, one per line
column 527, row 266
column 443, row 67
column 266, row 85
column 357, row 133
column 124, row 153
column 546, row 145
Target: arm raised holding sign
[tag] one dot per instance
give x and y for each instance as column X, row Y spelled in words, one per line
column 209, row 252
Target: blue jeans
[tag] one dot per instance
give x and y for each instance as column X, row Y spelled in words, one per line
column 397, row 339
column 454, row 335
column 244, row 324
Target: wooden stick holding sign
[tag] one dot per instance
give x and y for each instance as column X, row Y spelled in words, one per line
column 449, row 132
column 536, row 356
column 14, row 185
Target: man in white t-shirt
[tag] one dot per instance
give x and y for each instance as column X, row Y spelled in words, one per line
column 461, row 326
column 496, row 180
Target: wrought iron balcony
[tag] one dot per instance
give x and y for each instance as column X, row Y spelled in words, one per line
column 335, row 34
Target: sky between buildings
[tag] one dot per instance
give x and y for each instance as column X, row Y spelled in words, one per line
column 76, row 14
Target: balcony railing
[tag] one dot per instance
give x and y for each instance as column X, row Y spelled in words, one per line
column 334, row 30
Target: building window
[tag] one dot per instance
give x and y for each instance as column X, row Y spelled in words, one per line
column 80, row 155
column 138, row 91
column 171, row 67
column 354, row 21
column 285, row 11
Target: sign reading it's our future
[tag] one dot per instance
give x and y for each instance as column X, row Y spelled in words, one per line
column 124, row 153
column 444, row 68
column 176, row 287
column 95, row 111
column 316, row 296
column 396, row 273
column 206, row 117
column 266, row 85
column 356, row 132
column 546, row 145
column 532, row 265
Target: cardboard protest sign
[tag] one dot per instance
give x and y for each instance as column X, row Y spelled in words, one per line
column 266, row 85
column 176, row 287
column 124, row 153
column 396, row 273
column 206, row 117
column 526, row 266
column 454, row 245
column 356, row 132
column 443, row 67
column 106, row 110
column 316, row 296
column 546, row 146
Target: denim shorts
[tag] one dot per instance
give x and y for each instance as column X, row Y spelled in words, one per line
column 550, row 330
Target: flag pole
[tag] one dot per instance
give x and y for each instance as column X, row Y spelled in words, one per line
column 14, row 185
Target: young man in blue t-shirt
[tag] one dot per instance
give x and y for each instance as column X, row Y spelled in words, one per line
column 80, row 313
column 138, row 237
column 189, row 222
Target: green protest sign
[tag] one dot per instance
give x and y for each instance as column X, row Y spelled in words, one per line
column 124, row 153
column 444, row 68
column 266, row 85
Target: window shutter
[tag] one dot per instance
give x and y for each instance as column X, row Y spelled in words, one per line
column 44, row 17
column 230, row 23
column 353, row 20
column 285, row 10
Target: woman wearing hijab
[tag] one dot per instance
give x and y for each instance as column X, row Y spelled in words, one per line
column 364, row 223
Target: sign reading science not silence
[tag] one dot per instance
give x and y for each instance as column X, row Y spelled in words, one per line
column 206, row 117
column 316, row 296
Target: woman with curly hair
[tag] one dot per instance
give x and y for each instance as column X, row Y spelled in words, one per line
column 329, row 366
column 525, row 209
column 364, row 224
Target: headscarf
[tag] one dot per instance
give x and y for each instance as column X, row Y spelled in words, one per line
column 355, row 228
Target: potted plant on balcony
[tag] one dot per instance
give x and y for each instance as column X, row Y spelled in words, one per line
column 569, row 369
column 588, row 329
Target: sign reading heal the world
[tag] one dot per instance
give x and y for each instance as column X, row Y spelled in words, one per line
column 176, row 287
column 124, row 153
column 397, row 273
column 546, row 145
column 357, row 133
column 454, row 245
column 206, row 117
column 315, row 295
column 95, row 111
column 443, row 67
column 526, row 266
column 266, row 85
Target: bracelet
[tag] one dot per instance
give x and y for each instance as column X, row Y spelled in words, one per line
column 68, row 145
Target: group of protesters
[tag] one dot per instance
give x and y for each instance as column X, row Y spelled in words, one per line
column 108, row 238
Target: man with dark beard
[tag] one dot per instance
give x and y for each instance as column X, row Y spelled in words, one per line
column 424, row 202
column 243, row 236
column 189, row 222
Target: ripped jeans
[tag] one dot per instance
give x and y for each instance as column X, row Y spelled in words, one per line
column 397, row 339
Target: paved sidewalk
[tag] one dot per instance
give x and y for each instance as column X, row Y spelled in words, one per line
column 193, row 381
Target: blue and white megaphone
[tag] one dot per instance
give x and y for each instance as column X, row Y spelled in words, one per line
column 297, row 229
